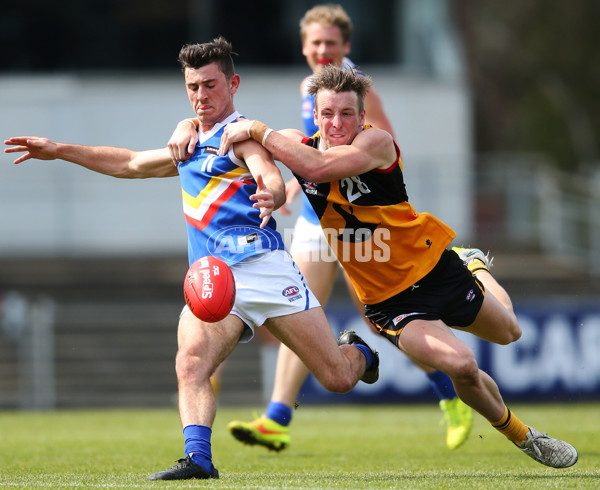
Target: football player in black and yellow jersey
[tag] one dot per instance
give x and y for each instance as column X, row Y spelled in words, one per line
column 414, row 287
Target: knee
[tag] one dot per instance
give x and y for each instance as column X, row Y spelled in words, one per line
column 512, row 332
column 341, row 383
column 515, row 329
column 464, row 369
column 187, row 365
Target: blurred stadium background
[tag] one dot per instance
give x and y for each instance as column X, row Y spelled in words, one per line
column 495, row 108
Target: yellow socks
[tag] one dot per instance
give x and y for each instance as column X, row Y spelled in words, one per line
column 511, row 427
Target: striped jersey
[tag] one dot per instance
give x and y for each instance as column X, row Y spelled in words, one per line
column 218, row 211
column 384, row 245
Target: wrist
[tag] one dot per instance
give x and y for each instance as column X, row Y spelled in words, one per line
column 191, row 120
column 258, row 131
column 250, row 127
column 267, row 133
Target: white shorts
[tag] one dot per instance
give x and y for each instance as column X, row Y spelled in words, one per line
column 308, row 238
column 267, row 286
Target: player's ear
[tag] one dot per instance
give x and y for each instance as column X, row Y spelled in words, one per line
column 346, row 48
column 234, row 83
column 305, row 51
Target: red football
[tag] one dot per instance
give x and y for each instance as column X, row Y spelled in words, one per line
column 209, row 289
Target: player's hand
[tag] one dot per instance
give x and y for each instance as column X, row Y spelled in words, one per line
column 40, row 148
column 292, row 188
column 183, row 142
column 265, row 201
column 234, row 132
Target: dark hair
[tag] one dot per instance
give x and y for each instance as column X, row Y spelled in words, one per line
column 340, row 80
column 199, row 55
column 331, row 14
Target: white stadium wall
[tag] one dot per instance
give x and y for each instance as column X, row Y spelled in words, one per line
column 58, row 209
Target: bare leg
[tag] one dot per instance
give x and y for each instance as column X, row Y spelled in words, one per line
column 434, row 344
column 496, row 321
column 201, row 348
column 457, row 416
column 291, row 371
column 492, row 286
column 337, row 368
column 308, row 334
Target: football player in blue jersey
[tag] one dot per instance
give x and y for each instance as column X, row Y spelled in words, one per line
column 228, row 201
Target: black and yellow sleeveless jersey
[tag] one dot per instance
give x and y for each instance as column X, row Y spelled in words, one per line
column 384, row 245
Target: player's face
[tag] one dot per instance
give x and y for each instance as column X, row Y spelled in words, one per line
column 338, row 117
column 324, row 45
column 210, row 93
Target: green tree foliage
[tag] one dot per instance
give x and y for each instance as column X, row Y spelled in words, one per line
column 534, row 67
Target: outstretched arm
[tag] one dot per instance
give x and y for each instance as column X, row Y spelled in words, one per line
column 108, row 160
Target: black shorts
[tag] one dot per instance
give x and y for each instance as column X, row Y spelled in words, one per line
column 449, row 293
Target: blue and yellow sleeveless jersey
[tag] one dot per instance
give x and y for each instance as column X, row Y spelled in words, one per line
column 218, row 211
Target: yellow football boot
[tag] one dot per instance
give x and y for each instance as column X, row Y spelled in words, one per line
column 459, row 420
column 262, row 431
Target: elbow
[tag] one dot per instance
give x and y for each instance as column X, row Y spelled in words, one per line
column 131, row 171
column 280, row 202
column 124, row 175
column 279, row 199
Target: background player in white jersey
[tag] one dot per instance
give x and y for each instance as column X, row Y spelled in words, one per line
column 325, row 32
column 237, row 191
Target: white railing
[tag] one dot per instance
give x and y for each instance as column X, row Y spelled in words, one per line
column 529, row 203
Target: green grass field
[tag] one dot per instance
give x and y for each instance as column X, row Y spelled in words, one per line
column 332, row 447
